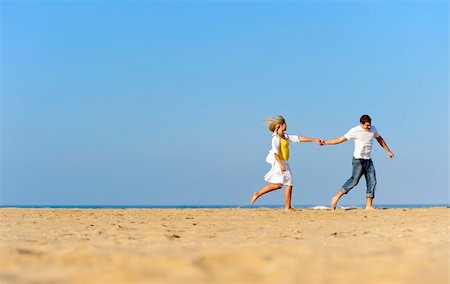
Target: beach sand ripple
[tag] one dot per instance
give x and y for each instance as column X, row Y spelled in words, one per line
column 224, row 246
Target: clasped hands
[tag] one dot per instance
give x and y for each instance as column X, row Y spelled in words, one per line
column 319, row 142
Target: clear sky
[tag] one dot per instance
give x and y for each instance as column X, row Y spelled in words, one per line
column 162, row 103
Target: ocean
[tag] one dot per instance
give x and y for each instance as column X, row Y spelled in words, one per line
column 317, row 207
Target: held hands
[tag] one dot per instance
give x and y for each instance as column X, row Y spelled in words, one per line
column 319, row 142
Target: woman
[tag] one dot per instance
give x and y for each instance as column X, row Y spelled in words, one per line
column 280, row 173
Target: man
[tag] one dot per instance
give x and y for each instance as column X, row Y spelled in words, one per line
column 363, row 135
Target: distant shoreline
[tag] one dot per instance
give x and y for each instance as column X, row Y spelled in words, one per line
column 318, row 207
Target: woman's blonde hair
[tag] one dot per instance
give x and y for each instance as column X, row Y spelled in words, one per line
column 274, row 122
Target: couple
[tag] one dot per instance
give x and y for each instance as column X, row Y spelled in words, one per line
column 280, row 173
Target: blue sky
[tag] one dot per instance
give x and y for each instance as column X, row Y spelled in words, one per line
column 162, row 102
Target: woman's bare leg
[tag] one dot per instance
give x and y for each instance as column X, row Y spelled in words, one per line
column 268, row 188
column 287, row 197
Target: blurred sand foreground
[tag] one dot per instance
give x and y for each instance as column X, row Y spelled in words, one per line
column 224, row 246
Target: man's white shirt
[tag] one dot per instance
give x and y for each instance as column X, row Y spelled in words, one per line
column 363, row 140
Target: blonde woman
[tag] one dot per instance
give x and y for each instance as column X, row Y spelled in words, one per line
column 280, row 172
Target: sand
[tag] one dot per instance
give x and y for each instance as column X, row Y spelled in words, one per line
column 224, row 246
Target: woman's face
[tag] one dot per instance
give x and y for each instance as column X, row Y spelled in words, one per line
column 283, row 127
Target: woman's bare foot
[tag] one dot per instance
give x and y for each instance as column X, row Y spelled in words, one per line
column 255, row 196
column 370, row 208
column 290, row 209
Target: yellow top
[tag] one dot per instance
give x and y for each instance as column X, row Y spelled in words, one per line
column 284, row 149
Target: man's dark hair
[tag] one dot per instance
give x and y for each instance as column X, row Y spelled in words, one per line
column 365, row 118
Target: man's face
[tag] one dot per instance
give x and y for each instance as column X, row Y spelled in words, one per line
column 366, row 126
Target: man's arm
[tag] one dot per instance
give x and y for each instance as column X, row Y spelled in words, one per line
column 385, row 146
column 334, row 141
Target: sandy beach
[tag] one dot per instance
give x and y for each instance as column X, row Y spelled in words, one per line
column 224, row 246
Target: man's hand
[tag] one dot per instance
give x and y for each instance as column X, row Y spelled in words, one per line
column 391, row 155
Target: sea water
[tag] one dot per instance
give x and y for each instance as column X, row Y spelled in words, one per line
column 315, row 207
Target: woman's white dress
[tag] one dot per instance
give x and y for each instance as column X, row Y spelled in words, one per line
column 275, row 175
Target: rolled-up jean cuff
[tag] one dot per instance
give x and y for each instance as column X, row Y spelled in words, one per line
column 343, row 190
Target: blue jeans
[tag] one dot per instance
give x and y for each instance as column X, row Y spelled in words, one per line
column 362, row 167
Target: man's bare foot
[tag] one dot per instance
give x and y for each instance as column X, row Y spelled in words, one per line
column 255, row 196
column 334, row 201
column 290, row 209
column 370, row 208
